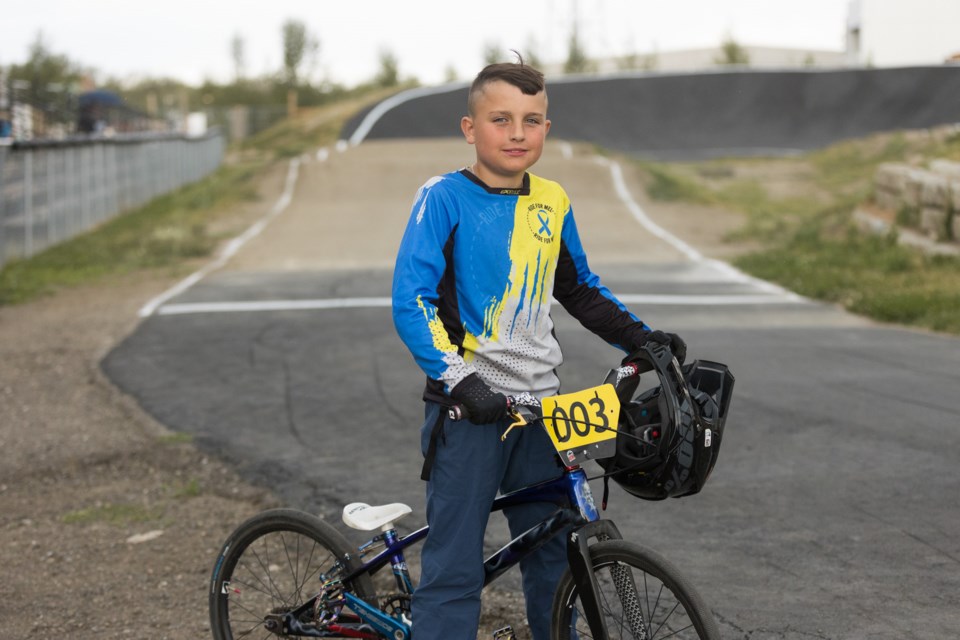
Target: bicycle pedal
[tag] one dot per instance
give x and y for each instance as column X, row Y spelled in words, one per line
column 506, row 633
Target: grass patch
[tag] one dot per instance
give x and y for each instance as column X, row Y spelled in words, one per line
column 671, row 185
column 175, row 438
column 189, row 489
column 767, row 218
column 867, row 274
column 810, row 244
column 113, row 514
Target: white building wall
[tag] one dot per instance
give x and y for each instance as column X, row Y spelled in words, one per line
column 903, row 32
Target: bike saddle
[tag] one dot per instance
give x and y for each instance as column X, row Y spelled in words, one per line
column 359, row 515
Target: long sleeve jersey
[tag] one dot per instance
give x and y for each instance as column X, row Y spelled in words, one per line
column 474, row 278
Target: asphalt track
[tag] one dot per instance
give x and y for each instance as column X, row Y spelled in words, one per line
column 835, row 506
column 699, row 115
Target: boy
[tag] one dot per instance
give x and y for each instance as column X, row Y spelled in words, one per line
column 484, row 250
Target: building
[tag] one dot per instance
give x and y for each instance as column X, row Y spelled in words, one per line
column 901, row 33
column 709, row 59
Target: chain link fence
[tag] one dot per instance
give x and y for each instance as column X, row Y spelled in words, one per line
column 52, row 191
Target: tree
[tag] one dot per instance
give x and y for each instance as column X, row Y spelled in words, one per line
column 531, row 56
column 389, row 75
column 238, row 54
column 450, row 73
column 492, row 53
column 46, row 80
column 731, row 53
column 577, row 61
column 298, row 45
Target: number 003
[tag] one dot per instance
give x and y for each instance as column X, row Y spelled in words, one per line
column 578, row 420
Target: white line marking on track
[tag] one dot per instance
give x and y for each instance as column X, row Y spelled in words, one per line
column 385, row 302
column 393, row 101
column 707, row 300
column 616, row 173
column 232, row 247
column 273, row 305
column 732, row 273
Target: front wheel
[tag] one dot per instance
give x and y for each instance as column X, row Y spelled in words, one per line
column 641, row 596
column 274, row 563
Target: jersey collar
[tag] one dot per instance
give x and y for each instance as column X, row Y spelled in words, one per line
column 524, row 189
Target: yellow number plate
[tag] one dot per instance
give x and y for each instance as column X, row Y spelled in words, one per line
column 581, row 424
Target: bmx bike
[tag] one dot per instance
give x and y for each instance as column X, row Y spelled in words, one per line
column 287, row 573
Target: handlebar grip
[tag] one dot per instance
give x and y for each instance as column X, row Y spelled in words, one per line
column 458, row 412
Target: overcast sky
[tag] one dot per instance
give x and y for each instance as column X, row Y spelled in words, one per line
column 190, row 39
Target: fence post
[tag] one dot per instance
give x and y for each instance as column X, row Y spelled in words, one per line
column 50, row 199
column 28, row 203
column 3, row 207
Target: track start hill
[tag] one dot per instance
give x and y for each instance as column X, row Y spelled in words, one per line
column 702, row 115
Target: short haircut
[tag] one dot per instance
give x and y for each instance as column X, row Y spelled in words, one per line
column 522, row 76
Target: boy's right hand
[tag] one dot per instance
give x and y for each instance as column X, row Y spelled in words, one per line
column 483, row 404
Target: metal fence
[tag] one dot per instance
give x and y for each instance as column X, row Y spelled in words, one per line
column 50, row 192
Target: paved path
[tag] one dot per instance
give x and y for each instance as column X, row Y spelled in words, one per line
column 834, row 509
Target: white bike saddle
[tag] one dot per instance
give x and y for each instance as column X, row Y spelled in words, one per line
column 359, row 515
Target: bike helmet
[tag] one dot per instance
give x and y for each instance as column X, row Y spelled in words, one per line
column 669, row 436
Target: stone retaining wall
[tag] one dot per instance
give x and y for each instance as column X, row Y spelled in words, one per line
column 925, row 198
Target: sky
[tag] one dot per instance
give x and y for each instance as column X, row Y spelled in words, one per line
column 190, row 39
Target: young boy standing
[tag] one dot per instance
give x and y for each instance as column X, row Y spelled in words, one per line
column 485, row 250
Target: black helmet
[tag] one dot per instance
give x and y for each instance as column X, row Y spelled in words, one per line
column 669, row 436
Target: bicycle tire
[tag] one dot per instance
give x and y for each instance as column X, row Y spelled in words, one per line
column 272, row 562
column 666, row 605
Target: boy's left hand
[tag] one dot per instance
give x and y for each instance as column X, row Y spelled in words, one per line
column 672, row 340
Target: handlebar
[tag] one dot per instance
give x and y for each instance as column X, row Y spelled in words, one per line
column 528, row 405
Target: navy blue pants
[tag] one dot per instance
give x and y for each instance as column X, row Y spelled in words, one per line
column 470, row 467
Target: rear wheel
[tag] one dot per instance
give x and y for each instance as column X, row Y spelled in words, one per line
column 272, row 564
column 641, row 595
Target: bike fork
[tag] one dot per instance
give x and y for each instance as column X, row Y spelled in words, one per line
column 578, row 556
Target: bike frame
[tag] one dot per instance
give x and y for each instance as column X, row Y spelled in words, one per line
column 576, row 510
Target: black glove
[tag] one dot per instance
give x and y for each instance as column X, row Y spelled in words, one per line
column 677, row 346
column 482, row 403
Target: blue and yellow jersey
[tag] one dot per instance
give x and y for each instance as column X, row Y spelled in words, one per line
column 476, row 273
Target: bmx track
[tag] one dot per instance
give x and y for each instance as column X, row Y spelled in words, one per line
column 834, row 508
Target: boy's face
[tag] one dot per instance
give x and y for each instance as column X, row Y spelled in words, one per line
column 508, row 129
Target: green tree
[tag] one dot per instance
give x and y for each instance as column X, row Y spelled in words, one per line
column 450, row 74
column 239, row 57
column 389, row 75
column 531, row 55
column 298, row 46
column 492, row 52
column 46, row 78
column 577, row 61
column 731, row 53
column 650, row 62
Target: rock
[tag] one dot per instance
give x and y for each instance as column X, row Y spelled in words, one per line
column 145, row 537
